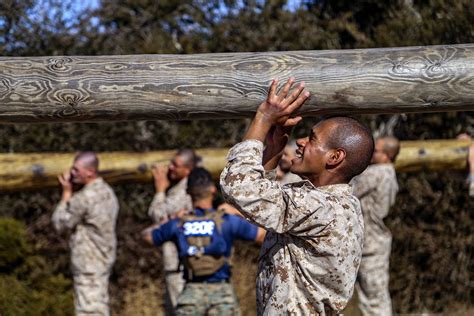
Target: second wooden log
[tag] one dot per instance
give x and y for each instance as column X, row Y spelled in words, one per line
column 40, row 170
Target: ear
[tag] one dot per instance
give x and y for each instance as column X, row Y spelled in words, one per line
column 336, row 156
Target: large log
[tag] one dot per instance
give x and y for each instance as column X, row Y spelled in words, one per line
column 34, row 171
column 231, row 85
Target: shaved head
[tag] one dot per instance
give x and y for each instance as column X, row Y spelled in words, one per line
column 355, row 139
column 189, row 156
column 88, row 159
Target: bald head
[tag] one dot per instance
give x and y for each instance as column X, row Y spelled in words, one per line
column 189, row 157
column 355, row 139
column 88, row 159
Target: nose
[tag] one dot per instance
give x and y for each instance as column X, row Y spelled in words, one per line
column 301, row 142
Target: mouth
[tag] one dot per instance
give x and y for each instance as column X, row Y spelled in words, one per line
column 299, row 154
column 298, row 157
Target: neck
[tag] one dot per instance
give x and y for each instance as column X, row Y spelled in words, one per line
column 326, row 178
column 203, row 203
column 90, row 180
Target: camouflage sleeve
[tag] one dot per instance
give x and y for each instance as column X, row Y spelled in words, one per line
column 157, row 210
column 271, row 174
column 68, row 214
column 261, row 201
column 364, row 183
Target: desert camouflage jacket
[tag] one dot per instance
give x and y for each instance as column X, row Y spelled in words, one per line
column 309, row 259
column 376, row 188
column 90, row 215
column 165, row 205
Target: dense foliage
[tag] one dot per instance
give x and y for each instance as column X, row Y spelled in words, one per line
column 28, row 285
column 432, row 252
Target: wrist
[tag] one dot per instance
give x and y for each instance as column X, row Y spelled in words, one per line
column 67, row 194
column 160, row 190
column 258, row 128
column 262, row 120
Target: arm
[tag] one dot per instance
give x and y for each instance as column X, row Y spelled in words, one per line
column 147, row 233
column 246, row 231
column 157, row 209
column 261, row 233
column 243, row 180
column 157, row 235
column 68, row 214
column 70, row 210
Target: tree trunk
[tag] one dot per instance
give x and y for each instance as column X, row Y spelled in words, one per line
column 231, row 85
column 35, row 171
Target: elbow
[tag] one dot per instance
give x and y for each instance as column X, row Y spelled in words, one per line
column 147, row 236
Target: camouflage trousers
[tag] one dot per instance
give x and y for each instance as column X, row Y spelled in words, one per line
column 91, row 295
column 208, row 299
column 372, row 284
column 173, row 277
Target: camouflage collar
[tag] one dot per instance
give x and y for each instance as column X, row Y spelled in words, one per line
column 337, row 189
column 178, row 187
column 94, row 182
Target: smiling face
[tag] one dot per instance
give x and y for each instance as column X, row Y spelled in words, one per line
column 312, row 154
column 177, row 169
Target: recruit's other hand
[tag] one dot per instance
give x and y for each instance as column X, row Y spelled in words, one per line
column 160, row 176
column 66, row 183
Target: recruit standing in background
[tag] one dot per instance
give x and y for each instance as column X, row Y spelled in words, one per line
column 204, row 239
column 90, row 215
column 309, row 260
column 376, row 189
column 171, row 198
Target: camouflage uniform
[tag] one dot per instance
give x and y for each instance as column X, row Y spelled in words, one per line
column 208, row 299
column 309, row 259
column 163, row 206
column 376, row 188
column 90, row 215
column 289, row 177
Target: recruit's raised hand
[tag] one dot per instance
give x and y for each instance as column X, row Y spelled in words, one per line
column 277, row 109
column 278, row 106
column 160, row 176
column 66, row 183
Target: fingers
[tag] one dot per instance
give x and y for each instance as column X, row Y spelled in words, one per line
column 284, row 91
column 296, row 104
column 292, row 121
column 273, row 88
column 295, row 94
column 159, row 169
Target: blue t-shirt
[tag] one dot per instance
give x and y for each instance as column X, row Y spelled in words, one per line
column 233, row 227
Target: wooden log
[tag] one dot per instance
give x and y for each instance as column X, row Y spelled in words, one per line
column 34, row 171
column 40, row 170
column 432, row 155
column 231, row 85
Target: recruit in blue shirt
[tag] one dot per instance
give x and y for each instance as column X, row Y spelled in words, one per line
column 233, row 227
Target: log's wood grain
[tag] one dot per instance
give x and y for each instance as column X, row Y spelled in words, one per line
column 40, row 170
column 231, row 85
